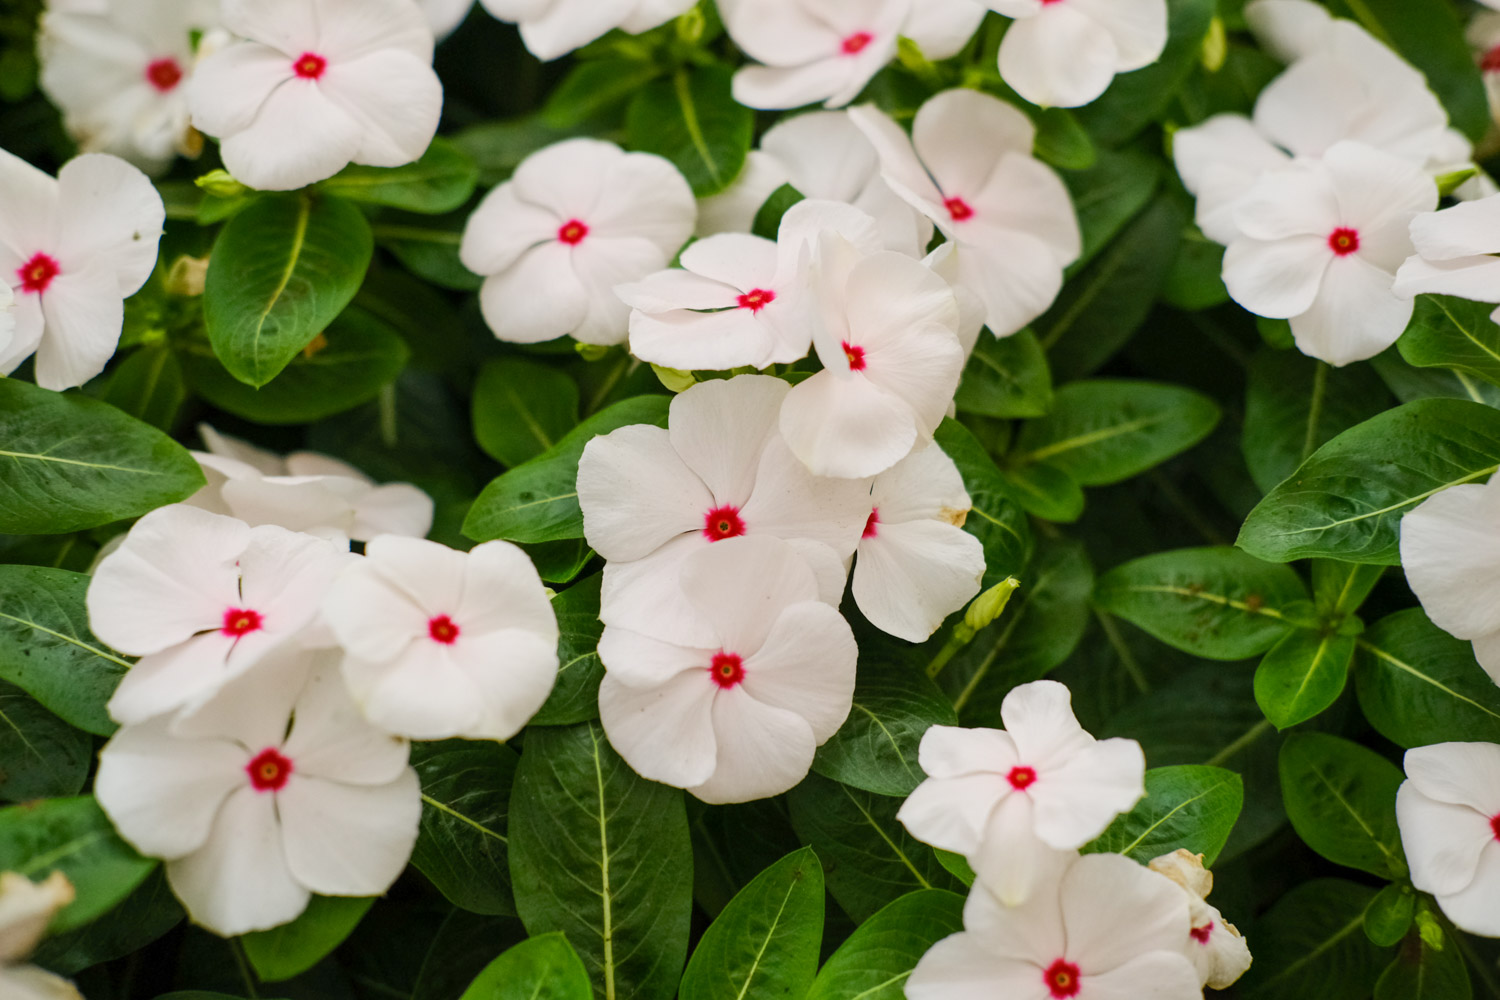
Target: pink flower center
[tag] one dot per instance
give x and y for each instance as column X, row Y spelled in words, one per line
column 757, row 299
column 1021, row 777
column 958, row 209
column 857, row 43
column 443, row 630
column 572, row 232
column 269, row 771
column 1343, row 241
column 1495, row 825
column 1490, row 61
column 37, row 273
column 1062, row 979
column 727, row 669
column 310, row 66
column 1201, row 934
column 723, row 522
column 241, row 621
column 164, row 74
column 871, row 523
column 856, row 356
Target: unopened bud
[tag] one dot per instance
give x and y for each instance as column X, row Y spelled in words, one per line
column 1215, row 46
column 989, row 605
column 591, row 352
column 186, row 276
column 221, row 185
column 675, row 379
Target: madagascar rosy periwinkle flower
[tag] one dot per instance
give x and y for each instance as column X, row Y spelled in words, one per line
column 202, row 598
column 888, row 341
column 814, row 51
column 1448, row 810
column 1215, row 947
column 26, row 908
column 968, row 167
column 272, row 790
column 1320, row 243
column 314, row 85
column 1455, row 253
column 440, row 643
column 1010, row 799
column 553, row 28
column 575, row 220
column 915, row 564
column 652, row 497
column 1065, row 53
column 71, row 251
column 1098, row 927
column 739, row 715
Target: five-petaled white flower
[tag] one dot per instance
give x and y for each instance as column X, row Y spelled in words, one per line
column 575, row 220
column 1064, row 54
column 738, row 716
column 553, row 28
column 1011, row 799
column 273, row 790
column 314, row 85
column 1448, row 810
column 202, row 598
column 72, row 250
column 26, row 908
column 968, row 167
column 1215, row 947
column 441, row 643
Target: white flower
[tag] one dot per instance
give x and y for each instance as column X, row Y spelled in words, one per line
column 891, row 358
column 968, row 167
column 1099, row 927
column 1484, row 38
column 1449, row 813
column 817, row 52
column 1454, row 253
column 72, row 250
column 7, row 317
column 305, row 492
column 441, row 643
column 273, row 790
column 734, row 209
column 738, row 716
column 444, row 16
column 553, row 28
column 316, row 85
column 26, row 908
column 1010, row 799
column 575, row 220
column 1215, row 947
column 200, row 599
column 1320, row 243
column 916, row 565
column 653, row 497
column 1064, row 54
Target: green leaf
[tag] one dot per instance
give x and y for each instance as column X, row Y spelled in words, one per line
column 47, row 650
column 68, row 462
column 768, row 218
column 1409, row 384
column 1136, row 99
column 348, row 364
column 72, row 836
column 1341, row 799
column 594, row 89
column 1295, row 405
column 522, row 408
column 280, row 272
column 293, row 948
column 1390, row 914
column 1310, row 944
column 540, row 968
column 1419, row 685
column 1062, row 142
column 41, row 756
column 602, row 854
column 148, row 385
column 1346, row 501
column 1195, row 282
column 873, row 963
column 1446, row 332
column 1006, row 377
column 1340, row 588
column 146, row 914
column 869, row 859
column 461, row 843
column 441, row 181
column 1105, row 431
column 1047, row 492
column 1109, row 194
column 765, row 943
column 692, row 119
column 575, row 696
column 1190, row 806
column 428, row 247
column 996, row 519
column 1429, row 967
column 876, row 748
column 538, row 500
column 1302, row 676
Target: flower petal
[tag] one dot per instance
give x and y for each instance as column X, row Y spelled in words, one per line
column 330, row 739
column 953, row 813
column 1450, row 550
column 962, row 135
column 503, row 228
column 1039, row 717
column 1355, row 316
column 298, row 137
column 1466, row 774
column 1442, row 841
column 637, row 493
column 961, row 967
column 539, row 298
column 84, row 316
column 721, row 429
column 1473, row 909
column 514, row 671
column 664, row 732
column 762, row 750
column 806, row 665
column 911, row 576
column 396, row 99
column 349, row 840
column 846, row 427
column 1059, row 58
column 1077, row 799
column 1116, row 909
column 108, row 211
column 1277, row 279
column 1467, row 229
column 741, row 587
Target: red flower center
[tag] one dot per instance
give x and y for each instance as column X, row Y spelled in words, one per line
column 857, row 42
column 871, row 523
column 443, row 630
column 958, row 209
column 241, row 621
column 1490, row 61
column 856, row 356
column 723, row 522
column 164, row 74
column 1343, row 241
column 757, row 299
column 310, row 66
column 37, row 273
column 1495, row 825
column 1021, row 777
column 572, row 232
column 1062, row 979
column 269, row 771
column 727, row 669
column 1201, row 934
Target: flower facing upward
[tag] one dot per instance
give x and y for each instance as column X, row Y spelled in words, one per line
column 1064, row 53
column 1448, row 810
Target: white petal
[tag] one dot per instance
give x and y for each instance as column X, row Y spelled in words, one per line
column 1450, row 550
column 910, row 576
column 721, row 427
column 1011, row 860
column 1310, row 106
column 165, row 681
column 1224, row 139
column 396, row 99
column 253, row 707
column 1442, row 841
column 806, row 665
column 952, row 813
column 1289, row 29
column 963, row 134
column 664, row 732
column 646, row 595
column 298, row 137
column 1077, row 800
column 1355, row 316
column 394, row 509
column 1467, row 229
column 429, row 573
column 1474, row 278
column 846, row 427
column 602, row 264
column 736, row 259
column 637, row 494
column 349, row 840
column 1116, row 909
column 762, row 750
column 702, row 341
column 1301, row 201
column 645, row 197
column 899, row 164
column 734, row 209
column 1028, row 930
column 640, row 661
column 539, row 298
column 742, row 585
column 330, row 739
column 565, row 26
column 1059, row 58
column 1381, row 195
column 289, row 24
column 1138, row 27
column 424, row 694
column 791, row 503
column 961, row 967
column 775, row 87
column 675, row 290
column 1277, row 279
column 503, row 228
column 1039, row 717
column 285, row 574
column 1155, row 975
column 229, row 87
column 567, row 177
column 514, row 671
column 1474, row 908
column 1458, row 773
column 943, row 27
column 84, row 316
column 109, row 212
column 951, row 751
column 924, row 485
column 1487, row 652
column 352, row 29
column 1015, row 274
column 1026, row 195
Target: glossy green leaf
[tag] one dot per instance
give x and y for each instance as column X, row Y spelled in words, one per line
column 1429, row 967
column 1418, row 685
column 575, row 696
column 148, row 385
column 1340, row 588
column 540, row 968
column 1341, row 799
column 41, row 756
column 146, row 914
column 441, row 181
column 522, row 408
column 693, row 120
column 596, row 88
column 875, row 961
column 293, row 948
column 1311, row 944
column 1390, row 914
column 1303, row 675
column 1446, row 332
column 995, row 519
column 1006, row 377
column 1191, row 806
column 1109, row 194
column 461, row 843
column 1045, row 491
